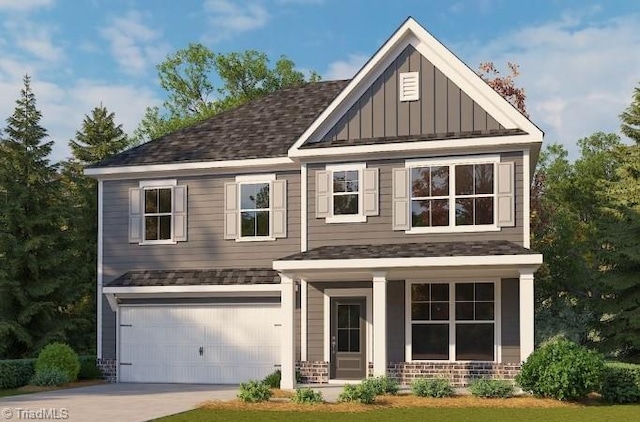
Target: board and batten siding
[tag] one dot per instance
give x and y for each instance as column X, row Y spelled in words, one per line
column 442, row 107
column 205, row 246
column 378, row 229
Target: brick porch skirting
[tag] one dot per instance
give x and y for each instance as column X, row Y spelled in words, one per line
column 109, row 368
column 460, row 374
column 313, row 372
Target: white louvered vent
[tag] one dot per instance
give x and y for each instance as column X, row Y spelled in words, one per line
column 409, row 86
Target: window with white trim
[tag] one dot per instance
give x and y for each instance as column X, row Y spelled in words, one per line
column 255, row 210
column 158, row 215
column 452, row 321
column 347, row 193
column 453, row 194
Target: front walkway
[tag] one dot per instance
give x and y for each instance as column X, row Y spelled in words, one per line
column 115, row 402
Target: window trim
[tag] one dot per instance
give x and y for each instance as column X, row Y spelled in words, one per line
column 253, row 179
column 497, row 321
column 452, row 162
column 349, row 218
column 145, row 185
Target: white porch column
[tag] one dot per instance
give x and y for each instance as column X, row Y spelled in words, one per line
column 379, row 324
column 288, row 353
column 527, row 301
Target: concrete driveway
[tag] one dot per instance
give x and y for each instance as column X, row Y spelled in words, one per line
column 112, row 402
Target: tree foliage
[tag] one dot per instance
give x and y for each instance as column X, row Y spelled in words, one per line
column 37, row 292
column 505, row 85
column 200, row 83
column 631, row 118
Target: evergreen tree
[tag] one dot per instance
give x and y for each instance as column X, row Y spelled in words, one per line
column 631, row 118
column 99, row 138
column 34, row 278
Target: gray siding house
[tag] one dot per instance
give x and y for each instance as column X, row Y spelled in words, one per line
column 341, row 229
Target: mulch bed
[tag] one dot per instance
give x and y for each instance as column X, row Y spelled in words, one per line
column 38, row 389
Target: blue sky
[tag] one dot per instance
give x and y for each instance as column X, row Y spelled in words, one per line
column 579, row 59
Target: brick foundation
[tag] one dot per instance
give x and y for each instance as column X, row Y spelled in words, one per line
column 460, row 374
column 313, row 372
column 109, row 368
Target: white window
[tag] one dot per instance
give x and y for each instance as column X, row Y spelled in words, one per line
column 453, row 194
column 255, row 208
column 158, row 212
column 347, row 193
column 452, row 321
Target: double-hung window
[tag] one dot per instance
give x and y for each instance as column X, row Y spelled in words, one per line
column 255, row 210
column 347, row 193
column 157, row 213
column 452, row 194
column 452, row 321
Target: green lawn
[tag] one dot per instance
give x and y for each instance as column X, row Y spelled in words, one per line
column 11, row 392
column 582, row 414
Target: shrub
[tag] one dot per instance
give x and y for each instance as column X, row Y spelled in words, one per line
column 49, row 377
column 307, row 396
column 621, row 383
column 89, row 369
column 273, row 379
column 425, row 387
column 254, row 392
column 561, row 369
column 491, row 388
column 383, row 385
column 15, row 373
column 59, row 356
column 362, row 393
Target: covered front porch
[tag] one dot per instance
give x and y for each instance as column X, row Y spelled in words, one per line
column 411, row 310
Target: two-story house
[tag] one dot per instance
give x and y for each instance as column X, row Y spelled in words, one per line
column 378, row 225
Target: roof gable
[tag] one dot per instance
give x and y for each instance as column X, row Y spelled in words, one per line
column 453, row 98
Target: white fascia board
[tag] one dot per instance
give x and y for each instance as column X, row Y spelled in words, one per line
column 430, row 147
column 244, row 288
column 533, row 260
column 202, row 165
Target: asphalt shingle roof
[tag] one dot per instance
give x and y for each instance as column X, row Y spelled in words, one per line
column 196, row 277
column 412, row 250
column 264, row 128
column 413, row 138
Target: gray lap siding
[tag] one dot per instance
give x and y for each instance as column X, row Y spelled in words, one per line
column 378, row 229
column 205, row 246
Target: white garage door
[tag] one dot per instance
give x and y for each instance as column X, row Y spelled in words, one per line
column 198, row 344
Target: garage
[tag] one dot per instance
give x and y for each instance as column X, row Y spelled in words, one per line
column 207, row 344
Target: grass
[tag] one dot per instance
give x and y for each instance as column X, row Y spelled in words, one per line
column 29, row 389
column 407, row 407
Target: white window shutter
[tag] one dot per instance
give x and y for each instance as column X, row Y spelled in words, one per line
column 400, row 199
column 370, row 192
column 180, row 213
column 135, row 215
column 409, row 86
column 506, row 195
column 231, row 217
column 279, row 208
column 323, row 193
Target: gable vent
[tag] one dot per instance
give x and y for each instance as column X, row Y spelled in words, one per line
column 409, row 86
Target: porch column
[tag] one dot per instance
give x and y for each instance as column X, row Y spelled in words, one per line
column 288, row 353
column 527, row 334
column 379, row 324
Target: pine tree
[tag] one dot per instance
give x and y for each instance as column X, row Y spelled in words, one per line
column 99, row 138
column 631, row 118
column 34, row 277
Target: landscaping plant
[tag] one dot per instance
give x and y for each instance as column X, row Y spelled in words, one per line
column 254, row 392
column 59, row 356
column 383, row 385
column 49, row 377
column 362, row 393
column 307, row 396
column 490, row 388
column 273, row 379
column 561, row 369
column 621, row 383
column 89, row 369
column 432, row 387
column 15, row 373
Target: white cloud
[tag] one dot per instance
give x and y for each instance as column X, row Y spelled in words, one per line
column 345, row 69
column 36, row 39
column 228, row 18
column 578, row 74
column 24, row 5
column 134, row 45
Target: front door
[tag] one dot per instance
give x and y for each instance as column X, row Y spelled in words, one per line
column 348, row 338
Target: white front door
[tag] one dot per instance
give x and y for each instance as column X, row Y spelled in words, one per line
column 198, row 344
